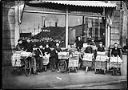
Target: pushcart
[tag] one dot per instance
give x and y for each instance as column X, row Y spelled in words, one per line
column 23, row 61
column 115, row 65
column 62, row 64
column 87, row 60
column 101, row 62
column 74, row 61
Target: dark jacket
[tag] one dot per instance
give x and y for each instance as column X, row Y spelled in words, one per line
column 47, row 50
column 79, row 43
column 36, row 52
column 53, row 53
column 116, row 52
column 19, row 47
column 58, row 49
column 101, row 49
column 29, row 47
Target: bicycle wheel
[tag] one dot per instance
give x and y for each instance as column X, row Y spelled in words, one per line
column 27, row 67
column 76, row 70
column 34, row 65
column 62, row 65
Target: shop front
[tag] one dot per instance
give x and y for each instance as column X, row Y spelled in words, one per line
column 65, row 20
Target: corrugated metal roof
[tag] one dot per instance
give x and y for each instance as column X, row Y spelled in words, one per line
column 81, row 3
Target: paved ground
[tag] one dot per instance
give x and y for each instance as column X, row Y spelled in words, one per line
column 49, row 79
column 81, row 79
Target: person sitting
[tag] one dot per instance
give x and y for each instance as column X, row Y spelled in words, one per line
column 125, row 48
column 101, row 47
column 88, row 49
column 19, row 46
column 116, row 51
column 79, row 43
column 92, row 42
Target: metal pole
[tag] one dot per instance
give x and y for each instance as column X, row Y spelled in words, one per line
column 66, row 27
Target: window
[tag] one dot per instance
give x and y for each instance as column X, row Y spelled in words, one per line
column 48, row 27
column 90, row 27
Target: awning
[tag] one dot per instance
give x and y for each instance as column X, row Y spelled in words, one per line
column 78, row 3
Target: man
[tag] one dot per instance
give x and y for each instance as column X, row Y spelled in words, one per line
column 79, row 43
column 101, row 47
column 41, row 54
column 116, row 51
column 19, row 46
column 125, row 48
column 29, row 45
column 36, row 56
column 54, row 56
column 88, row 49
column 47, row 52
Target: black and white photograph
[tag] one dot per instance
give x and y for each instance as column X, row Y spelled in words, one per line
column 69, row 44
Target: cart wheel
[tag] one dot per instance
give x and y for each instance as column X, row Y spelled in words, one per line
column 76, row 70
column 69, row 70
column 104, row 71
column 14, row 70
column 120, row 73
column 27, row 67
column 62, row 66
column 113, row 72
column 95, row 71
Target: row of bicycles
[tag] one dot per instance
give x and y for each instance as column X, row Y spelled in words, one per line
column 69, row 61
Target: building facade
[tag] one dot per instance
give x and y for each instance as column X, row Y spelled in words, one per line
column 117, row 30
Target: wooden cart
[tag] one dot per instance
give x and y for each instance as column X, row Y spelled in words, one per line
column 115, row 65
column 20, row 62
column 87, row 60
column 101, row 62
column 73, row 61
column 16, row 59
column 63, row 57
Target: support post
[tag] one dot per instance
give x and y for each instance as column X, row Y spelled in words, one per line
column 66, row 27
column 83, row 26
column 16, row 25
column 106, row 35
column 98, row 27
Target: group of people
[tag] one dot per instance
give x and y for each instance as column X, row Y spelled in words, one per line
column 41, row 50
column 92, row 48
column 38, row 52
